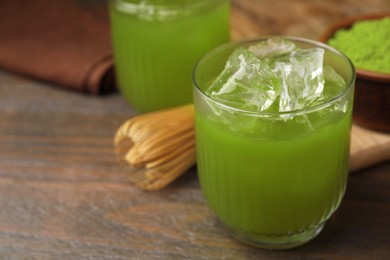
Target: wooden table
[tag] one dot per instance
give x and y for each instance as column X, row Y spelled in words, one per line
column 64, row 196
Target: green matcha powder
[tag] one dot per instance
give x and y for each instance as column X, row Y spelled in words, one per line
column 366, row 43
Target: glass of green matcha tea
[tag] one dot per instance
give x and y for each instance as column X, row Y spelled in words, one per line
column 273, row 119
column 156, row 44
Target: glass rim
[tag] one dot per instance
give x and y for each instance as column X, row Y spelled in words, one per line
column 166, row 9
column 301, row 111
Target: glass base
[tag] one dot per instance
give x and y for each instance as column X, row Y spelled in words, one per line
column 277, row 242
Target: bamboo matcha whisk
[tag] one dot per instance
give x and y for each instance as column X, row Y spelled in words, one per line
column 158, row 146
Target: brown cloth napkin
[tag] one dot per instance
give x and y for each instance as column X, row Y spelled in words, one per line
column 66, row 42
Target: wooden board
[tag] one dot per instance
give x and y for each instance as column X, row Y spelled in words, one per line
column 368, row 148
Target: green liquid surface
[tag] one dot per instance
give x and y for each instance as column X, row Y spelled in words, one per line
column 154, row 58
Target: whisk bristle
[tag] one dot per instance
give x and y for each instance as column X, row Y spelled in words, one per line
column 158, row 146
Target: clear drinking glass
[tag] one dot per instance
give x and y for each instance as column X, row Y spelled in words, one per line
column 273, row 178
column 156, row 44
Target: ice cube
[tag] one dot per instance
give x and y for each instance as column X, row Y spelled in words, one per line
column 301, row 75
column 334, row 83
column 272, row 47
column 245, row 83
column 284, row 78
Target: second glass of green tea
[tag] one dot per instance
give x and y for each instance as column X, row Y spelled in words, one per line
column 156, row 43
column 273, row 119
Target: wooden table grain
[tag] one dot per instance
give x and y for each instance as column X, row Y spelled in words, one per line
column 63, row 194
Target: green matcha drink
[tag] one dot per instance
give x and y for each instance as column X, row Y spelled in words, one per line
column 272, row 130
column 156, row 44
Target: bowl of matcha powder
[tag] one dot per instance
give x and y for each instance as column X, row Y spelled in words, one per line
column 366, row 41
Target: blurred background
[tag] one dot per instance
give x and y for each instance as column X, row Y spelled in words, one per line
column 63, row 194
